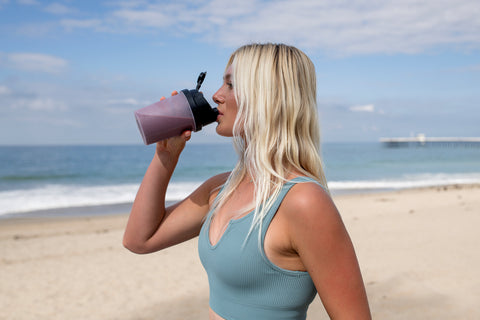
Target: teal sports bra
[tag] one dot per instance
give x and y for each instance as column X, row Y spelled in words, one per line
column 244, row 283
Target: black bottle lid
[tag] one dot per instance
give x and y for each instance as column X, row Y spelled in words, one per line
column 203, row 113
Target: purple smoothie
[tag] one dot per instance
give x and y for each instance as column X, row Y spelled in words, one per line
column 165, row 119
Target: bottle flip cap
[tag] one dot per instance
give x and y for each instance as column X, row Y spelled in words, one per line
column 203, row 113
column 200, row 79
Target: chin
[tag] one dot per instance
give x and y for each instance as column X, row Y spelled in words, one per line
column 224, row 132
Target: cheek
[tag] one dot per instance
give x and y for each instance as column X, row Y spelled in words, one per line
column 233, row 106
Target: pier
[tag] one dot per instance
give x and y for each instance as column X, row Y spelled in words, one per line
column 423, row 141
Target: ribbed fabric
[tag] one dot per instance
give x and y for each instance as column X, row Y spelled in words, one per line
column 244, row 283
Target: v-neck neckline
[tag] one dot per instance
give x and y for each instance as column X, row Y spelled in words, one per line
column 226, row 228
column 232, row 221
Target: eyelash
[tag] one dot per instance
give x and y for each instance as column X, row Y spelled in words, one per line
column 230, row 85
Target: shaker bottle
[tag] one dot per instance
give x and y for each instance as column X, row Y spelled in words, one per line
column 188, row 110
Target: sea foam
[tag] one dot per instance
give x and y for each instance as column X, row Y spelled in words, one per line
column 56, row 196
column 65, row 196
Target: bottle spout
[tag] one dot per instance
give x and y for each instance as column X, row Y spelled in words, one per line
column 200, row 79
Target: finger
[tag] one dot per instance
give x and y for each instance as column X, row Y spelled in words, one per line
column 187, row 135
column 162, row 98
column 174, row 93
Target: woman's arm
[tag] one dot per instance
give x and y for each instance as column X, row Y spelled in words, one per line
column 319, row 237
column 151, row 226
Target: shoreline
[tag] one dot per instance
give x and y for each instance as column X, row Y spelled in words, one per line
column 416, row 249
column 70, row 212
column 125, row 207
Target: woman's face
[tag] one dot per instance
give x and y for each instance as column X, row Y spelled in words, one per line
column 227, row 105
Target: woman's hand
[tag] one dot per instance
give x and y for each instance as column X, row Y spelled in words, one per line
column 168, row 150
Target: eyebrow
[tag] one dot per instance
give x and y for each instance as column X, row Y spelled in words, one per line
column 227, row 77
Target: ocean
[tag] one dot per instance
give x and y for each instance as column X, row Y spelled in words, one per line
column 104, row 179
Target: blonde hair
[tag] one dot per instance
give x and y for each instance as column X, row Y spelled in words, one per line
column 276, row 130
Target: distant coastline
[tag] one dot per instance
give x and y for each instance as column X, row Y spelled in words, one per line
column 423, row 140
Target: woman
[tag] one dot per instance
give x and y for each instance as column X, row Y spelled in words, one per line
column 270, row 236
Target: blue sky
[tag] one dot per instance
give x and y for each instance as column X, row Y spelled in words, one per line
column 73, row 72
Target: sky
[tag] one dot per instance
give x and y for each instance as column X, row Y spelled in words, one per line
column 73, row 72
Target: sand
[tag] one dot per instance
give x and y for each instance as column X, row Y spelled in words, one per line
column 418, row 251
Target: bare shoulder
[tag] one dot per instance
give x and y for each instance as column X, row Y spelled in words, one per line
column 309, row 210
column 314, row 225
column 308, row 200
column 204, row 194
column 217, row 180
column 213, row 184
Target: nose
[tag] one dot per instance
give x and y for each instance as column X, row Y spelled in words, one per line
column 217, row 97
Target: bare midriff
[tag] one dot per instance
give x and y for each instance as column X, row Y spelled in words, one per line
column 213, row 316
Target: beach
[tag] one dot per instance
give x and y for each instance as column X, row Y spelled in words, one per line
column 417, row 249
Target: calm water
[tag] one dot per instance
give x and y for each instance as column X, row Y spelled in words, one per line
column 49, row 177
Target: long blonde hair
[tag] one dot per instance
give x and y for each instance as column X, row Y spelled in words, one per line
column 276, row 130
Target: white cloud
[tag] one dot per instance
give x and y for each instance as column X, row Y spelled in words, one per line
column 39, row 104
column 127, row 101
column 367, row 128
column 35, row 62
column 145, row 18
column 363, row 108
column 360, row 27
column 58, row 122
column 71, row 24
column 331, row 26
column 130, row 101
column 121, row 106
column 4, row 90
column 58, row 8
column 36, row 29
